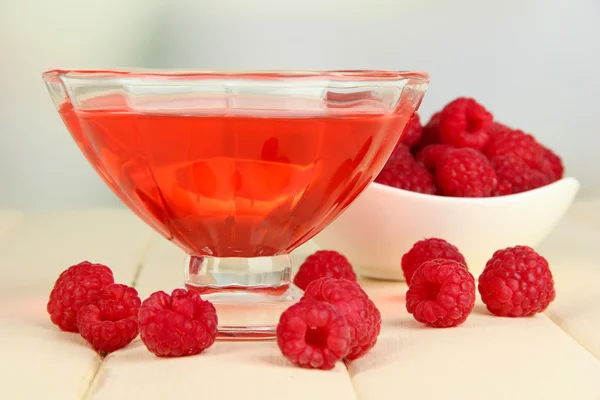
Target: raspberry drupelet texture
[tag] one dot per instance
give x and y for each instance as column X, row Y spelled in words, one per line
column 516, row 282
column 465, row 173
column 77, row 286
column 110, row 322
column 518, row 144
column 313, row 334
column 430, row 156
column 354, row 304
column 465, row 123
column 428, row 250
column 403, row 172
column 498, row 128
column 181, row 324
column 412, row 131
column 442, row 293
column 400, row 155
column 324, row 263
column 415, row 178
column 430, row 133
column 515, row 176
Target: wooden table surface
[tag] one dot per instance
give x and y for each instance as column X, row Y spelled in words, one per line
column 551, row 356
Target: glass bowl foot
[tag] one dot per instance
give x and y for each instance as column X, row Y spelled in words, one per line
column 249, row 294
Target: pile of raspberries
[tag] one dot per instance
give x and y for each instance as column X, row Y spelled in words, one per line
column 463, row 152
column 335, row 320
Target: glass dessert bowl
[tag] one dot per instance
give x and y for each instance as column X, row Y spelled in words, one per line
column 237, row 168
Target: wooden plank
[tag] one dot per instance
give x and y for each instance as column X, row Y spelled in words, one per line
column 40, row 361
column 573, row 251
column 586, row 211
column 9, row 219
column 36, row 251
column 487, row 357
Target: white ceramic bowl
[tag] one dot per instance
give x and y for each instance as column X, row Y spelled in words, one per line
column 384, row 222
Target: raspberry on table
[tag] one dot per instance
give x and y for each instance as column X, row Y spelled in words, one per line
column 465, row 123
column 77, row 286
column 354, row 304
column 429, row 156
column 324, row 263
column 428, row 250
column 181, row 324
column 515, row 176
column 430, row 134
column 412, row 131
column 413, row 177
column 517, row 282
column 313, row 334
column 442, row 293
column 465, row 173
column 111, row 321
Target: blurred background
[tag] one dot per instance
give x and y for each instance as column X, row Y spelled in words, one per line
column 533, row 63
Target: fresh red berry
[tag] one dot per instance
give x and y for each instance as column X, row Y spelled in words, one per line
column 181, row 324
column 465, row 123
column 400, row 155
column 360, row 312
column 430, row 133
column 497, row 128
column 515, row 176
column 324, row 264
column 430, row 156
column 313, row 334
column 465, row 173
column 552, row 165
column 110, row 322
column 516, row 282
column 428, row 250
column 413, row 177
column 412, row 131
column 77, row 286
column 514, row 143
column 518, row 144
column 442, row 293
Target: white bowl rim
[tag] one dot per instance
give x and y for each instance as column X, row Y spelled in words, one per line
column 478, row 200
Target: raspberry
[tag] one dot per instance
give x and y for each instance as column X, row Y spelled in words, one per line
column 413, row 177
column 313, row 334
column 465, row 123
column 110, row 322
column 430, row 133
column 324, row 263
column 429, row 156
column 498, row 128
column 515, row 176
column 77, row 286
column 428, row 250
column 352, row 302
column 412, row 131
column 518, row 144
column 400, row 155
column 552, row 165
column 465, row 173
column 516, row 282
column 181, row 324
column 442, row 293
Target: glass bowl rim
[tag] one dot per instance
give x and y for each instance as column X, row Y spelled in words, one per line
column 258, row 75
